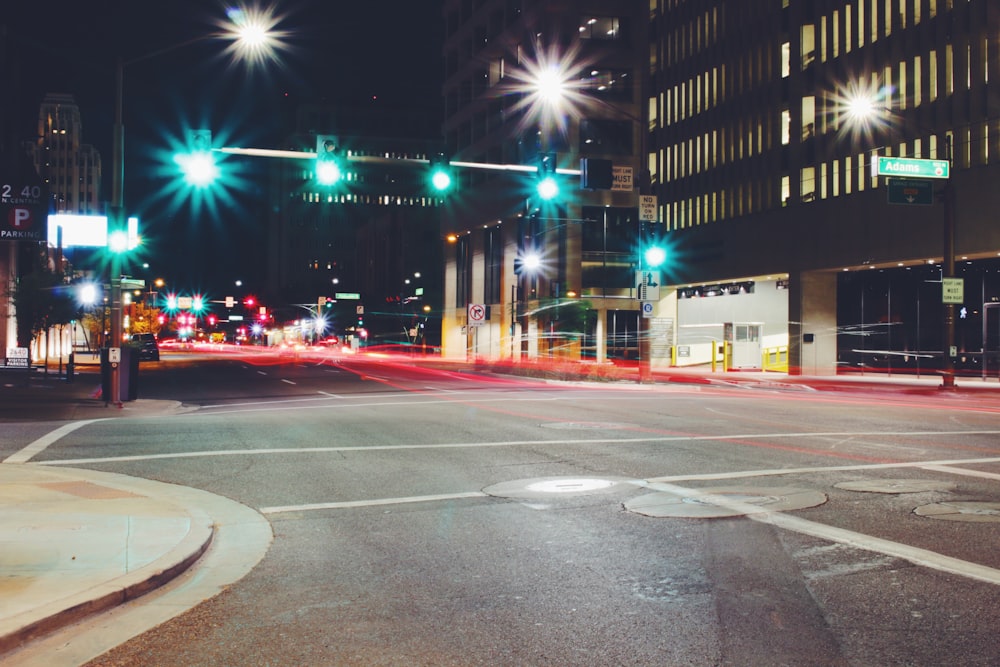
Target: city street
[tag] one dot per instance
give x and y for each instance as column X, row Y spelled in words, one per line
column 426, row 515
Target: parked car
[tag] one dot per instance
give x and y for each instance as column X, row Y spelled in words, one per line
column 148, row 349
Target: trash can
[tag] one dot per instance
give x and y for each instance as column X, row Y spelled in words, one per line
column 128, row 376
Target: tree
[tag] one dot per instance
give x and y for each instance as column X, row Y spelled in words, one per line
column 42, row 300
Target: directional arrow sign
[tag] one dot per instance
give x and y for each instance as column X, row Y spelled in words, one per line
column 912, row 191
column 910, row 167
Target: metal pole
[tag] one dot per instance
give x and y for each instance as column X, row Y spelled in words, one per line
column 948, row 271
column 116, row 225
column 513, row 317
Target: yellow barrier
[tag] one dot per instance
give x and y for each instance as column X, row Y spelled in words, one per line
column 775, row 359
column 724, row 349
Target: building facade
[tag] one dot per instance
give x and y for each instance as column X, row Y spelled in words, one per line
column 579, row 299
column 761, row 123
column 372, row 236
column 70, row 168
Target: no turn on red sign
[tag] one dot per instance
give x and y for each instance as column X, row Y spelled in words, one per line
column 477, row 314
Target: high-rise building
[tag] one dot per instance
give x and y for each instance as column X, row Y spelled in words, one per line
column 531, row 89
column 70, row 168
column 772, row 135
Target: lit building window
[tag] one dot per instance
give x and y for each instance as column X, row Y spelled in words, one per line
column 600, row 27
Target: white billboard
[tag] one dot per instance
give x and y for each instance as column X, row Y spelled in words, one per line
column 90, row 231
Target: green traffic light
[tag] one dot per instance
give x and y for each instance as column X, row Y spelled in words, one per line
column 655, row 256
column 118, row 241
column 441, row 179
column 548, row 188
column 328, row 171
column 197, row 164
column 199, row 169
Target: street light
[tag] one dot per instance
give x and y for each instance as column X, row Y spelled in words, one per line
column 554, row 92
column 251, row 40
column 528, row 263
column 866, row 111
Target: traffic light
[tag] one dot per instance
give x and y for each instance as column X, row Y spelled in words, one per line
column 547, row 185
column 118, row 241
column 198, row 164
column 655, row 255
column 440, row 176
column 329, row 160
column 596, row 174
column 654, row 249
column 197, row 303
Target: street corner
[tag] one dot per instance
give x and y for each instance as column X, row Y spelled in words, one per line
column 79, row 542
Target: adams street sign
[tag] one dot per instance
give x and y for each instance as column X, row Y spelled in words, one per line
column 910, row 167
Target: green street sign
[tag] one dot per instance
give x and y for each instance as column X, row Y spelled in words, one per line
column 347, row 296
column 911, row 191
column 910, row 167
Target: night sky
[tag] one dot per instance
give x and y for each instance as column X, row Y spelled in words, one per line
column 355, row 53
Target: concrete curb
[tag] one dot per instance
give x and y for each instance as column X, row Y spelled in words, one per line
column 18, row 630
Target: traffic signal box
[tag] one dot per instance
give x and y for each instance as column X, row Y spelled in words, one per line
column 547, row 185
column 441, row 178
column 197, row 164
column 329, row 160
column 596, row 174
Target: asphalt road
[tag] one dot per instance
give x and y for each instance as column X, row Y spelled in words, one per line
column 429, row 517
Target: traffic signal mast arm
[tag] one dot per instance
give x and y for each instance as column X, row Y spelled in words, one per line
column 378, row 159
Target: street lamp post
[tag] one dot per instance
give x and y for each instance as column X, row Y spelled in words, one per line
column 254, row 40
column 862, row 111
column 948, row 271
column 553, row 94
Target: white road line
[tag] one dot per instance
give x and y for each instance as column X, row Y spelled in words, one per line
column 38, row 446
column 961, row 471
column 261, row 373
column 524, row 443
column 915, row 555
column 287, row 381
column 329, row 395
column 351, row 504
column 418, row 399
column 777, row 472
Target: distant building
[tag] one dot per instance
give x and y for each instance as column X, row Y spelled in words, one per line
column 370, row 234
column 70, row 168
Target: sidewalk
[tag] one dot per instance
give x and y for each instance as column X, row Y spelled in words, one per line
column 76, row 542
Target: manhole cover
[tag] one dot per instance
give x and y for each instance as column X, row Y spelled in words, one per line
column 961, row 511
column 722, row 502
column 585, row 426
column 583, row 485
column 895, row 485
column 547, row 487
